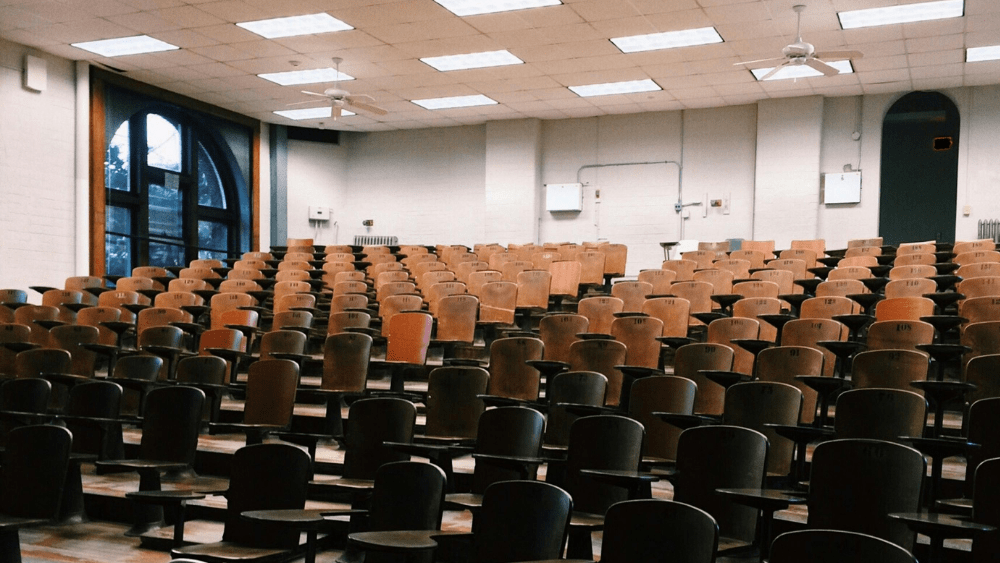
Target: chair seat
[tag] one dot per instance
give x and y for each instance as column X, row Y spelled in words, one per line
column 465, row 500
column 357, row 484
column 396, row 541
column 586, row 520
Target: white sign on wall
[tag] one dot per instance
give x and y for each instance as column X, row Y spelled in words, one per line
column 564, row 197
column 842, row 187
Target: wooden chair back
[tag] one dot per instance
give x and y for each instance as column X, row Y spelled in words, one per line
column 510, row 376
column 566, row 277
column 34, row 476
column 855, row 484
column 536, row 513
column 632, row 293
column 171, row 423
column 987, row 286
column 345, row 362
column 880, row 414
column 834, row 546
column 753, row 307
column 371, row 423
column 782, row 363
column 533, row 287
column 914, row 259
column 750, row 289
column 661, row 394
column 601, row 356
column 573, row 388
column 784, row 278
column 904, row 309
column 601, row 442
column 698, row 295
column 683, row 269
column 827, row 307
column 453, row 403
column 899, row 335
column 74, row 339
column 600, row 312
column 558, row 332
column 889, row 369
column 457, row 316
column 282, row 341
column 271, row 386
column 477, row 280
column 408, row 338
column 976, row 257
column 639, row 334
column 840, row 288
column 635, row 528
column 691, row 359
column 498, row 302
column 808, row 332
column 660, row 280
column 718, row 457
column 758, row 404
column 27, row 315
column 725, row 330
column 672, row 311
column 721, row 280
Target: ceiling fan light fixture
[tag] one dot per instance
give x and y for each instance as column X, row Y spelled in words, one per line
column 667, row 40
column 312, row 76
column 455, row 102
column 295, row 25
column 979, row 54
column 609, row 88
column 467, row 61
column 800, row 71
column 907, row 13
column 476, row 7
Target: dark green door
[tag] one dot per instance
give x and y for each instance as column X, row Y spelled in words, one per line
column 919, row 181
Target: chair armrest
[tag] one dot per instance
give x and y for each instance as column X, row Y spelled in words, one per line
column 685, row 421
column 522, row 465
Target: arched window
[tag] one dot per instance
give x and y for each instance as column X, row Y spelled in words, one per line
column 172, row 193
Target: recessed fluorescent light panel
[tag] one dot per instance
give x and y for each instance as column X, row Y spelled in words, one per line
column 476, row 7
column 295, row 25
column 609, row 88
column 473, row 60
column 667, row 40
column 924, row 11
column 455, row 102
column 126, row 46
column 977, row 54
column 313, row 76
column 311, row 113
column 801, row 71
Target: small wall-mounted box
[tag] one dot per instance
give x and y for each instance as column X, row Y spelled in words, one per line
column 319, row 213
column 35, row 73
column 563, row 197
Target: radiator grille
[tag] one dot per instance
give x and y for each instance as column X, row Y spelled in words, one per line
column 990, row 229
column 375, row 240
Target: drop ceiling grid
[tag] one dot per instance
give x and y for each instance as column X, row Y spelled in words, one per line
column 564, row 45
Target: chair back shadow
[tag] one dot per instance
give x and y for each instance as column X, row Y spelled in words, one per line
column 880, row 414
column 601, row 442
column 855, row 484
column 721, row 457
column 572, row 387
column 506, row 431
column 986, row 510
column 27, row 394
column 690, row 359
column 521, row 521
column 510, row 376
column 983, row 420
column 836, row 546
column 661, row 394
column 453, row 405
column 601, row 356
column 370, row 423
column 33, row 477
column 756, row 404
column 271, row 476
column 635, row 530
column 781, row 364
column 96, row 399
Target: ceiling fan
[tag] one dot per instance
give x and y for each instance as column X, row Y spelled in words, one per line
column 801, row 53
column 339, row 99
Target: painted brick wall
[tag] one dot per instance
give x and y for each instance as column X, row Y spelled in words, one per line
column 513, row 154
column 317, row 175
column 425, row 186
column 37, row 198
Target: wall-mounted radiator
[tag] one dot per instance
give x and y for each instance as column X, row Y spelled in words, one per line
column 990, row 229
column 375, row 240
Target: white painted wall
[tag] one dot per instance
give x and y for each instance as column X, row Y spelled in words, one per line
column 317, row 175
column 512, row 177
column 425, row 186
column 37, row 173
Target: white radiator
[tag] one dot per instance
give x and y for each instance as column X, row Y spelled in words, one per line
column 375, row 240
column 990, row 229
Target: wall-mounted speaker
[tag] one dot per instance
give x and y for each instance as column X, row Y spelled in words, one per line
column 35, row 73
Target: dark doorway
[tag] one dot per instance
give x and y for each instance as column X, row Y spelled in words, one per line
column 919, row 182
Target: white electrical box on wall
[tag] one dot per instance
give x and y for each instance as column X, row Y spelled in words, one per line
column 319, row 213
column 563, row 197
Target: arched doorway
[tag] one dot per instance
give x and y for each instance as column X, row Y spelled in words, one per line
column 919, row 182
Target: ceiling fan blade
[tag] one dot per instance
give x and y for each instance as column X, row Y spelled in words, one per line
column 822, row 67
column 366, row 107
column 772, row 73
column 759, row 61
column 363, row 98
column 839, row 55
column 313, row 93
column 303, row 103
